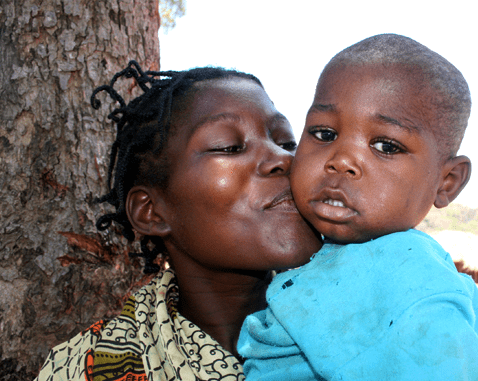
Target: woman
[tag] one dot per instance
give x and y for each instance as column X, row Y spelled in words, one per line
column 201, row 164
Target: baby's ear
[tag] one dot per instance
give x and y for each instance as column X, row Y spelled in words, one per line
column 456, row 173
column 145, row 213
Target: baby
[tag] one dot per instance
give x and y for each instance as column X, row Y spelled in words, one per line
column 379, row 301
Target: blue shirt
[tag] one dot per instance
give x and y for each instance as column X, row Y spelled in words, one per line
column 394, row 308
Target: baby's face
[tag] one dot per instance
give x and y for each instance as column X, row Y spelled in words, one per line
column 367, row 163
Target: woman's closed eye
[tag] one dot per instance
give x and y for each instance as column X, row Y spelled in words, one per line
column 231, row 149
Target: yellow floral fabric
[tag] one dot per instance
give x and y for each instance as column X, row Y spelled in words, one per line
column 149, row 341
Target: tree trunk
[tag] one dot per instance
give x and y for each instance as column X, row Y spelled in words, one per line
column 57, row 274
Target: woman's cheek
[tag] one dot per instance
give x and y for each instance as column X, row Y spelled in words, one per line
column 219, row 174
column 221, row 185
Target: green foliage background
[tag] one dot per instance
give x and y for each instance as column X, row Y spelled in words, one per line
column 453, row 217
column 170, row 11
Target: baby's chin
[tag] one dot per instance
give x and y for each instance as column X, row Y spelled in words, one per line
column 342, row 240
column 341, row 235
column 357, row 237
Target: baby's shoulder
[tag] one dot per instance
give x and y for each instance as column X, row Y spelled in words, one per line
column 403, row 264
column 401, row 250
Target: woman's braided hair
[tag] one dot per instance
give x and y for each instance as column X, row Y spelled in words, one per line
column 143, row 128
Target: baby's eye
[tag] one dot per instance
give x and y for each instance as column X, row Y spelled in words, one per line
column 387, row 147
column 324, row 134
column 289, row 146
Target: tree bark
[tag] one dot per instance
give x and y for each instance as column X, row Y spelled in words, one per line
column 58, row 275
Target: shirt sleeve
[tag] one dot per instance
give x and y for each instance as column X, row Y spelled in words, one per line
column 271, row 352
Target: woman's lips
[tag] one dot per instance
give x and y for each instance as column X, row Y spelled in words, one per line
column 283, row 201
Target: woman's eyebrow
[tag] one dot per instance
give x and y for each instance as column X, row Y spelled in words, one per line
column 216, row 118
column 278, row 117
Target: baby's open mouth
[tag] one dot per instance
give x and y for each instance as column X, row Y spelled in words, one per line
column 334, row 202
column 334, row 208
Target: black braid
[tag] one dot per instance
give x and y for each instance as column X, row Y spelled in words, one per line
column 143, row 127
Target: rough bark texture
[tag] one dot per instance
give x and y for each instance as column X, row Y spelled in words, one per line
column 57, row 274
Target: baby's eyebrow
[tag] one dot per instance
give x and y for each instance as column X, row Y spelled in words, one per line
column 317, row 107
column 407, row 125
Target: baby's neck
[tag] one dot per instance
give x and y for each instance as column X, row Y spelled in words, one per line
column 345, row 242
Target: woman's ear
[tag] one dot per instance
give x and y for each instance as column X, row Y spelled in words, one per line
column 145, row 212
column 456, row 173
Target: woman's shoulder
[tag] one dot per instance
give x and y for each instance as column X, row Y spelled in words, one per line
column 148, row 337
column 69, row 360
column 94, row 347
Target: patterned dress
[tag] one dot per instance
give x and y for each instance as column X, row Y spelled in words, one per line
column 149, row 341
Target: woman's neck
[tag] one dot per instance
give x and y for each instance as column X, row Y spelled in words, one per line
column 218, row 302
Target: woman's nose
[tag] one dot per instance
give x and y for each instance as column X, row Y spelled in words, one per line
column 345, row 161
column 275, row 160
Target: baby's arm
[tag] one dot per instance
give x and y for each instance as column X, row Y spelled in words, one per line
column 433, row 340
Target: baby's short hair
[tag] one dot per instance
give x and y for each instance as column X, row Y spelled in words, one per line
column 452, row 103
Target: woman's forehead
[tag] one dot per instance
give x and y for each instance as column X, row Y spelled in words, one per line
column 219, row 95
column 216, row 100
